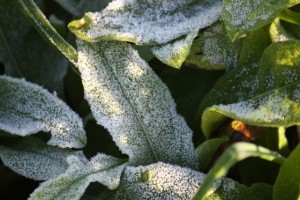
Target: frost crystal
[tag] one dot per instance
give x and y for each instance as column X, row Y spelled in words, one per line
column 26, row 108
column 158, row 181
column 36, row 160
column 147, row 21
column 175, row 53
column 71, row 185
column 129, row 100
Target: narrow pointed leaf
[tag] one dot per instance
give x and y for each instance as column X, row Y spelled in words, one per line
column 34, row 159
column 232, row 155
column 72, row 184
column 287, row 182
column 175, row 53
column 242, row 17
column 27, row 108
column 129, row 100
column 145, row 22
column 278, row 32
column 163, row 181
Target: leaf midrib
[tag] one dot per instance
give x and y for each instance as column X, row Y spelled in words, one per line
column 136, row 112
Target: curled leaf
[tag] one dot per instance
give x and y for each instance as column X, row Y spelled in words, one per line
column 144, row 22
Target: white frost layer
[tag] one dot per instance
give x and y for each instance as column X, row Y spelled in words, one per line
column 128, row 99
column 72, row 184
column 26, row 108
column 159, row 181
column 151, row 21
column 36, row 160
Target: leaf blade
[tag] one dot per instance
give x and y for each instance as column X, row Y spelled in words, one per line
column 34, row 109
column 128, row 99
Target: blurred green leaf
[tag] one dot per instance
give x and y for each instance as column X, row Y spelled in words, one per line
column 287, row 185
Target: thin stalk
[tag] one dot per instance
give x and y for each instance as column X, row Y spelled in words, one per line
column 235, row 153
column 38, row 19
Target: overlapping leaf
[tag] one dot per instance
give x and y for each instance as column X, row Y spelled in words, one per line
column 242, row 17
column 24, row 53
column 267, row 95
column 164, row 181
column 26, row 108
column 147, row 22
column 72, row 184
column 213, row 50
column 35, row 160
column 128, row 99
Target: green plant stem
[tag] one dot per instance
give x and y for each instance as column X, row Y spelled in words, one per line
column 290, row 16
column 235, row 153
column 32, row 11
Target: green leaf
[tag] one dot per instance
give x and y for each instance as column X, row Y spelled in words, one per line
column 278, row 32
column 72, row 184
column 268, row 96
column 25, row 54
column 287, row 185
column 236, row 152
column 175, row 53
column 27, row 108
column 164, row 181
column 34, row 159
column 44, row 27
column 242, row 17
column 213, row 50
column 129, row 100
column 146, row 23
column 207, row 150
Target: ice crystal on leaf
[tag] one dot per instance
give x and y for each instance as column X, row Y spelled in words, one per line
column 129, row 100
column 147, row 22
column 72, row 184
column 26, row 108
column 242, row 17
column 34, row 159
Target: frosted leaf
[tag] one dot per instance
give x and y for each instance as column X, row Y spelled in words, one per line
column 242, row 17
column 26, row 108
column 175, row 53
column 72, row 184
column 278, row 32
column 35, row 160
column 213, row 50
column 25, row 54
column 158, row 181
column 147, row 22
column 132, row 103
column 267, row 95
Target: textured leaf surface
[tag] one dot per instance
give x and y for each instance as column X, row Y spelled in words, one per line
column 213, row 50
column 175, row 53
column 24, row 53
column 163, row 181
column 272, row 97
column 72, row 184
column 242, row 17
column 287, row 185
column 26, row 108
column 147, row 21
column 129, row 100
column 34, row 159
